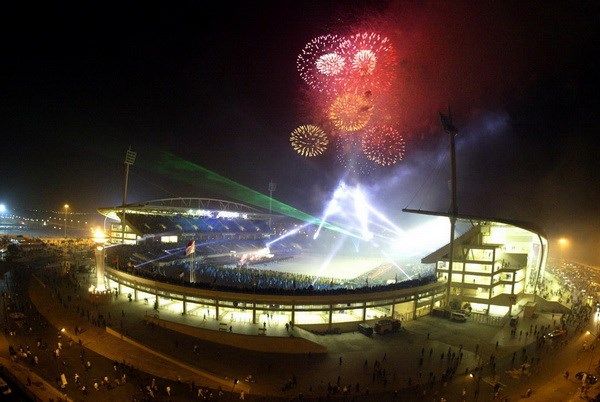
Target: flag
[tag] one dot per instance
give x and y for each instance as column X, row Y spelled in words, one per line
column 190, row 248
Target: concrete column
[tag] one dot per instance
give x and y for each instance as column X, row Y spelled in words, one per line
column 100, row 257
column 294, row 313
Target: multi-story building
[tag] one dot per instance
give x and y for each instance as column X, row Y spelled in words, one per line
column 495, row 263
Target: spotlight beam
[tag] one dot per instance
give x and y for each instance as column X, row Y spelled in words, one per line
column 396, row 265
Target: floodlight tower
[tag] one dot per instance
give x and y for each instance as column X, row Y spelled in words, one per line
column 451, row 130
column 272, row 187
column 129, row 160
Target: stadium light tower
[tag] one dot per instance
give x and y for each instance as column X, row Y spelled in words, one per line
column 272, row 187
column 449, row 128
column 129, row 160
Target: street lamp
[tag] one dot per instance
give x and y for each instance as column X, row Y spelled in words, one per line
column 66, row 209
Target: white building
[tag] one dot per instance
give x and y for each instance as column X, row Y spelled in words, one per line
column 495, row 263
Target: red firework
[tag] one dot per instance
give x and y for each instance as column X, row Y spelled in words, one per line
column 371, row 60
column 321, row 65
column 383, row 145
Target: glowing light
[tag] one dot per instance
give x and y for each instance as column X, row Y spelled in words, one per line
column 385, row 219
column 350, row 112
column 396, row 265
column 99, row 236
column 362, row 212
column 309, row 140
column 422, row 239
column 228, row 214
column 290, row 233
column 383, row 145
column 256, row 256
column 563, row 242
column 332, row 207
column 336, row 247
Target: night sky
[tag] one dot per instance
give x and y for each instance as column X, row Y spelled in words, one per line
column 218, row 86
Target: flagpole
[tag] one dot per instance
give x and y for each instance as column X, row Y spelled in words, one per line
column 192, row 273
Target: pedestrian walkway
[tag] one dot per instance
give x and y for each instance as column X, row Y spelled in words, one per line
column 412, row 361
column 34, row 386
column 120, row 348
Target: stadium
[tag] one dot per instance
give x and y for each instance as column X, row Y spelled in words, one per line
column 225, row 261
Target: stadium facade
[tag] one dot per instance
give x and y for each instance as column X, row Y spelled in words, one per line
column 496, row 263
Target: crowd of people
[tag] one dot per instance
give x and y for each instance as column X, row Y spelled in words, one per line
column 225, row 276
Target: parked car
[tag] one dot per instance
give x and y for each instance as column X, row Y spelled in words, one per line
column 589, row 378
column 557, row 333
column 365, row 329
column 458, row 316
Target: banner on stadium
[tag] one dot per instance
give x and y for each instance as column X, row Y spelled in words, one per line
column 191, row 247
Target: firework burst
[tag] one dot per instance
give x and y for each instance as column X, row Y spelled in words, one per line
column 321, row 65
column 350, row 112
column 309, row 140
column 372, row 61
column 383, row 145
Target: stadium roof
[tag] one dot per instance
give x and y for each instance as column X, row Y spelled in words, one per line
column 183, row 206
column 473, row 218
